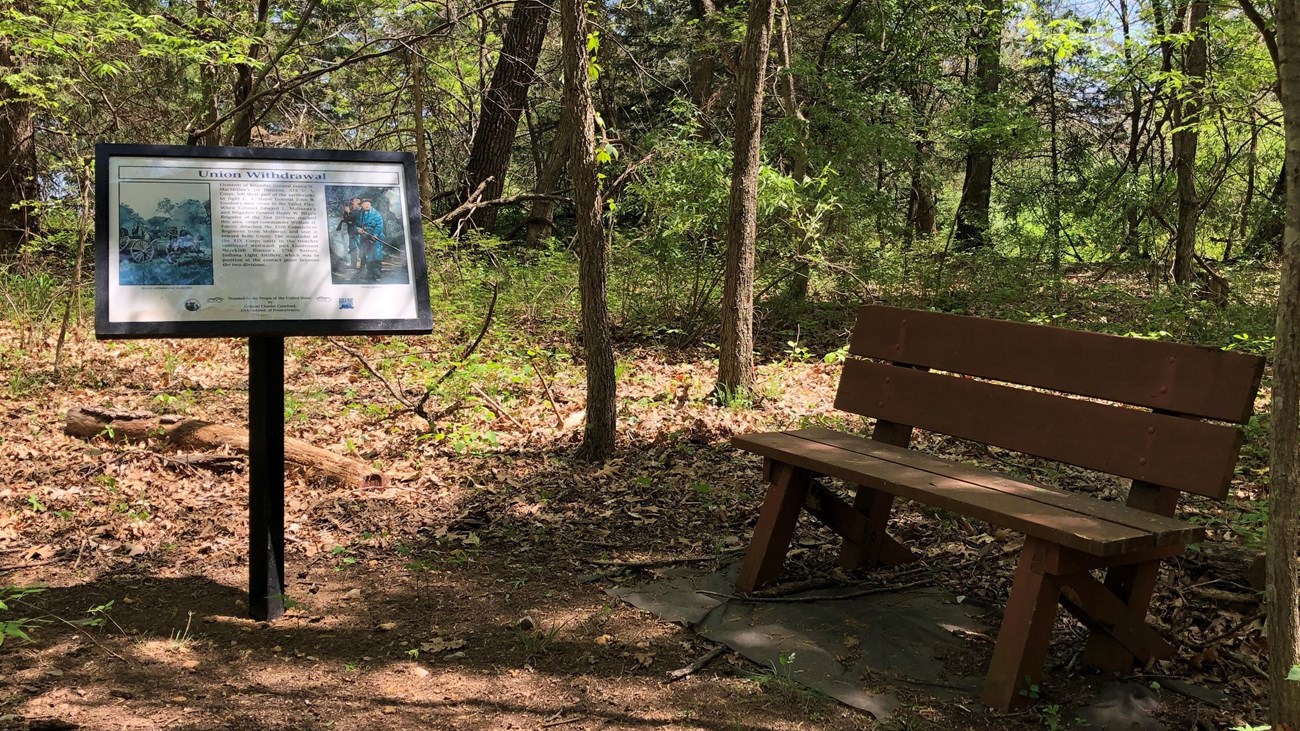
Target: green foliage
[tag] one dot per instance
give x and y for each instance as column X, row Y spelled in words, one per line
column 16, row 628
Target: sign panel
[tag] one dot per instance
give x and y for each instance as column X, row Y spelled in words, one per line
column 231, row 241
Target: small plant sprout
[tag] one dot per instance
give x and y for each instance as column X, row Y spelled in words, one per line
column 182, row 640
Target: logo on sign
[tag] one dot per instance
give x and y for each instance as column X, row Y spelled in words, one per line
column 345, row 303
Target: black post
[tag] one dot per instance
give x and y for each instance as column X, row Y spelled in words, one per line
column 265, row 476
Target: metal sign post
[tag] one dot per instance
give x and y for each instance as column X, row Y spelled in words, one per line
column 265, row 477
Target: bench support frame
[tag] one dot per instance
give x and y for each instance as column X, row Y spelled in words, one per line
column 1047, row 575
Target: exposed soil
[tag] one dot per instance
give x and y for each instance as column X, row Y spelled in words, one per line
column 470, row 592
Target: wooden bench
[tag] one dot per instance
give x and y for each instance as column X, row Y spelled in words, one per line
column 1164, row 445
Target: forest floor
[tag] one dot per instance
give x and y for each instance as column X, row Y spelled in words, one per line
column 408, row 599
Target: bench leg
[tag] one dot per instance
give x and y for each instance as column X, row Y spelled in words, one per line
column 874, row 547
column 1026, row 631
column 1134, row 586
column 1104, row 613
column 776, row 522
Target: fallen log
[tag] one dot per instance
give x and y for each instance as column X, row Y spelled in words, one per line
column 1227, row 561
column 91, row 423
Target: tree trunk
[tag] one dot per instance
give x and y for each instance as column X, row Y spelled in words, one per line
column 601, row 430
column 920, row 200
column 977, row 190
column 1283, row 596
column 1132, row 154
column 416, row 63
column 241, row 133
column 1187, row 115
column 17, row 159
column 736, row 354
column 209, row 91
column 1267, row 238
column 541, row 217
column 1248, row 199
column 789, row 100
column 1054, row 198
column 503, row 103
column 703, row 62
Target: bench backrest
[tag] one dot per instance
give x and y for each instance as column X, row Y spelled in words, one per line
column 1164, row 441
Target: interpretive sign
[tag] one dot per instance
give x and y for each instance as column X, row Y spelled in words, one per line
column 229, row 241
column 225, row 241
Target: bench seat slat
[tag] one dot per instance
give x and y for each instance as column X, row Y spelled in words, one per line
column 1174, row 377
column 1168, row 531
column 1185, row 454
column 1081, row 531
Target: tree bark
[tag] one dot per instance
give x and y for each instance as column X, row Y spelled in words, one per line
column 422, row 171
column 1267, row 237
column 789, row 100
column 977, row 190
column 541, row 217
column 209, row 92
column 703, row 64
column 601, row 430
column 1283, row 596
column 1132, row 153
column 17, row 159
column 90, row 423
column 920, row 200
column 736, row 353
column 241, row 133
column 1187, row 115
column 503, row 103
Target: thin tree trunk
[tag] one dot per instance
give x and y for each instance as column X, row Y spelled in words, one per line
column 1267, row 237
column 241, row 133
column 736, row 353
column 593, row 269
column 920, row 199
column 541, row 217
column 1248, row 200
column 789, row 99
column 1132, row 153
column 977, row 190
column 703, row 62
column 421, row 144
column 1283, row 594
column 503, row 103
column 1054, row 199
column 1187, row 115
column 84, row 232
column 209, row 90
column 17, row 158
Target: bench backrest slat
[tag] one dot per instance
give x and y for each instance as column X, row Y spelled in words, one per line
column 1180, row 453
column 1171, row 377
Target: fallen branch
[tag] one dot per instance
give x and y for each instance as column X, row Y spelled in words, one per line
column 33, row 564
column 698, row 665
column 549, row 397
column 820, row 598
column 91, row 423
column 497, row 408
column 562, row 722
column 473, row 204
column 655, row 562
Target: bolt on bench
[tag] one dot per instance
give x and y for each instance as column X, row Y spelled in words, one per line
column 1165, row 446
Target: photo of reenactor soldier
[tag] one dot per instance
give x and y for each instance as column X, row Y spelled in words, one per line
column 370, row 227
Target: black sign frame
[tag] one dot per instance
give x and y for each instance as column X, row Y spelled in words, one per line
column 106, row 329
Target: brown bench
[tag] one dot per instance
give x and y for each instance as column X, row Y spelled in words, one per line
column 1165, row 446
